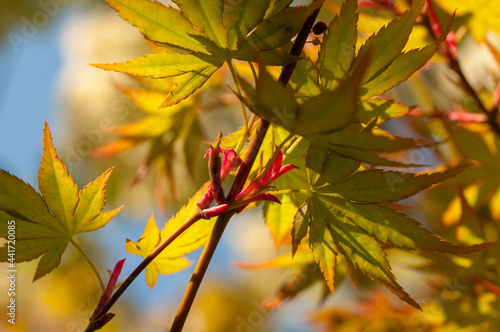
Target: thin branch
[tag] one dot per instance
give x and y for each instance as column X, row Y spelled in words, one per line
column 238, row 184
column 199, row 272
column 124, row 285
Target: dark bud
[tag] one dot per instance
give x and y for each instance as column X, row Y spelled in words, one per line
column 319, row 28
column 316, row 41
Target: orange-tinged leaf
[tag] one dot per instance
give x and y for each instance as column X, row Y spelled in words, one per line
column 45, row 224
column 115, row 147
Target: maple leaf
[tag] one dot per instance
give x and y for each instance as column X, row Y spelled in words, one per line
column 161, row 129
column 338, row 110
column 209, row 34
column 171, row 259
column 346, row 214
column 46, row 223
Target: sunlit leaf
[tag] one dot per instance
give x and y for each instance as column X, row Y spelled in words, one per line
column 46, row 223
column 339, row 46
column 338, row 224
column 161, row 65
column 206, row 30
column 482, row 16
column 171, row 259
column 207, row 17
column 163, row 263
column 403, row 66
column 388, row 42
column 162, row 24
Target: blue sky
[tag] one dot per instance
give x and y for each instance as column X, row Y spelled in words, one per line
column 28, row 96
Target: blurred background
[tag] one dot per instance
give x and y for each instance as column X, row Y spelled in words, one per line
column 46, row 47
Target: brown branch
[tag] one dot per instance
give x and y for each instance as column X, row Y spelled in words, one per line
column 238, row 184
column 199, row 271
column 116, row 295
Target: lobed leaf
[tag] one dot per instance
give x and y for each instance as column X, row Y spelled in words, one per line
column 339, row 46
column 164, row 25
column 381, row 109
column 393, row 228
column 188, row 84
column 278, row 29
column 57, row 187
column 162, row 64
column 163, row 263
column 403, row 66
column 207, row 17
column 377, row 186
column 359, row 248
column 43, row 232
column 241, row 17
column 388, row 42
column 322, row 245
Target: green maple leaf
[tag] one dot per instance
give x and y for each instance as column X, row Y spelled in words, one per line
column 332, row 102
column 209, row 33
column 172, row 258
column 46, row 223
column 345, row 214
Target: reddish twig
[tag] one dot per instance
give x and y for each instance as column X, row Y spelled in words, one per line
column 238, row 184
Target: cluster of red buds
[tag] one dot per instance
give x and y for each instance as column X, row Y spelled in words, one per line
column 255, row 191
